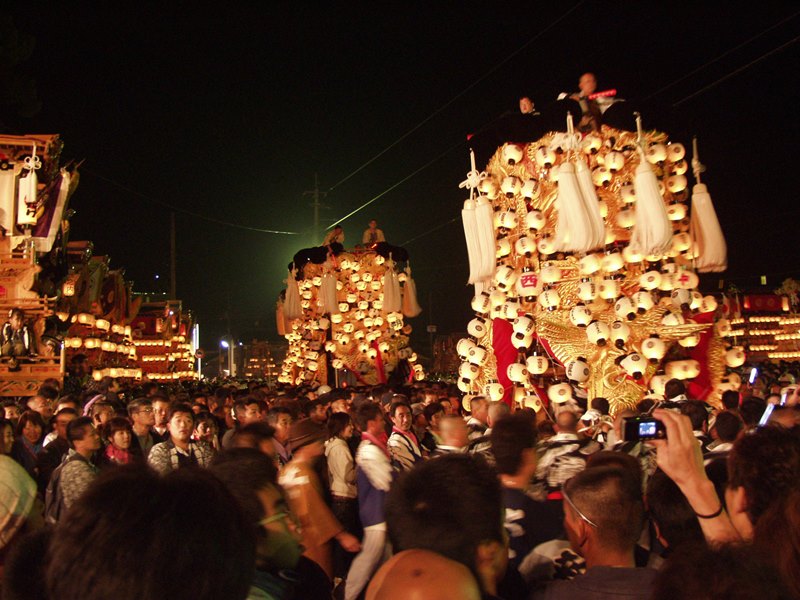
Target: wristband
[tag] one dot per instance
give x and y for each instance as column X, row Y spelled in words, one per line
column 711, row 516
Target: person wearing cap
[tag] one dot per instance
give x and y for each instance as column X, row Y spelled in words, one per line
column 306, row 496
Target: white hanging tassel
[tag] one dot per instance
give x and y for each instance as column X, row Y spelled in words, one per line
column 592, row 205
column 327, row 291
column 484, row 223
column 291, row 307
column 574, row 229
column 397, row 293
column 468, row 218
column 411, row 307
column 711, row 250
column 477, row 217
column 652, row 231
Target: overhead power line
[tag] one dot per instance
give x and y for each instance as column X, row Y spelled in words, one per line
column 390, row 188
column 178, row 209
column 735, row 72
column 458, row 96
column 723, row 55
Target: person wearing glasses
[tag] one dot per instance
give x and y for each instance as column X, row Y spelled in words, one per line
column 603, row 517
column 141, row 414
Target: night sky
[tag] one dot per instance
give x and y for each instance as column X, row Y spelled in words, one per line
column 229, row 112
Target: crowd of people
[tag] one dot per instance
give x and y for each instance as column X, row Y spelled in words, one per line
column 242, row 490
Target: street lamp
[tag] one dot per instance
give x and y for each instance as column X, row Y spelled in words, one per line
column 227, row 346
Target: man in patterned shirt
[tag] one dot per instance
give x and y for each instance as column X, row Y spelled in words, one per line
column 180, row 450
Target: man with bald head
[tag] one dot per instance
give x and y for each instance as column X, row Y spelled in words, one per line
column 454, row 434
column 563, row 455
column 423, row 574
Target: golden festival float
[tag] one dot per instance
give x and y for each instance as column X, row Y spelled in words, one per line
column 72, row 302
column 345, row 311
column 584, row 250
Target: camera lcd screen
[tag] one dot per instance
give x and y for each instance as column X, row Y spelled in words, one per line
column 647, row 429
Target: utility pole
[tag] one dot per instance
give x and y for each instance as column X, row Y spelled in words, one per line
column 173, row 283
column 316, row 205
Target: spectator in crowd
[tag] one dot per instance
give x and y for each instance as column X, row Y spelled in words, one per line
column 41, row 405
column 306, row 497
column 101, row 412
column 433, row 414
column 482, row 444
column 729, row 571
column 342, row 480
column 28, row 445
column 203, row 548
column 403, row 444
column 527, row 521
column 206, row 430
column 259, row 435
column 54, row 452
column 161, row 408
column 446, row 506
column 179, row 450
column 730, row 399
column 11, row 411
column 728, row 426
column 674, row 522
column 479, row 417
column 118, row 434
column 280, row 418
column 245, row 411
column 698, row 415
column 423, row 574
column 140, row 412
column 79, row 469
column 6, row 436
column 373, row 480
column 281, row 570
column 563, row 455
column 454, row 434
column 603, row 516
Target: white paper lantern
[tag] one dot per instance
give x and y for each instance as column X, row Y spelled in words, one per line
column 580, row 315
column 620, row 333
column 587, row 291
column 537, row 364
column 477, row 327
column 735, row 357
column 675, row 152
column 589, row 264
column 598, row 333
column 517, row 373
column 577, row 370
column 559, row 393
column 653, row 349
column 535, row 220
column 481, row 303
column 634, row 365
column 625, row 309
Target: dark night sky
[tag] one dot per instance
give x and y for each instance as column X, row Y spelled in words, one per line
column 229, row 112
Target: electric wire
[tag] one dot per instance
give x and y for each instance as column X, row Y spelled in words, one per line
column 399, row 183
column 735, row 72
column 459, row 95
column 178, row 209
column 721, row 56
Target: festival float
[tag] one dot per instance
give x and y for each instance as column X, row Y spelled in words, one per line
column 343, row 314
column 584, row 250
column 71, row 300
